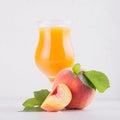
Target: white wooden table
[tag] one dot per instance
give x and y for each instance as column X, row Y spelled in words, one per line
column 98, row 110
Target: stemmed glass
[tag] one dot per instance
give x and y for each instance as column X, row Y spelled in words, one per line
column 54, row 50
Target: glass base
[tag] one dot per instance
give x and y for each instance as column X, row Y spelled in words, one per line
column 51, row 79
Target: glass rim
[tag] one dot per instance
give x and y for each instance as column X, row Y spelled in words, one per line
column 54, row 23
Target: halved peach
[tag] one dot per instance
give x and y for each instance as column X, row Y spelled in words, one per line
column 58, row 99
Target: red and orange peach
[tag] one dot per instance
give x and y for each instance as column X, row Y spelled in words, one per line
column 82, row 95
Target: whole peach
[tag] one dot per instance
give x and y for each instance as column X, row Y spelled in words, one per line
column 82, row 95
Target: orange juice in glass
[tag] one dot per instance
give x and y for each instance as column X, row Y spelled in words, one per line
column 54, row 50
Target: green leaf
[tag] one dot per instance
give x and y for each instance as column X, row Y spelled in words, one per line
column 41, row 95
column 31, row 102
column 76, row 68
column 86, row 81
column 32, row 109
column 98, row 79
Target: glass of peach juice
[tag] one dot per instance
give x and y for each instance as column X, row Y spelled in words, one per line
column 54, row 50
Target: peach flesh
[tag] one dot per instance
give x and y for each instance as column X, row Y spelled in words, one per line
column 58, row 99
column 82, row 95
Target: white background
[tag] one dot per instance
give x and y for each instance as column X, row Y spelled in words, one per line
column 95, row 37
